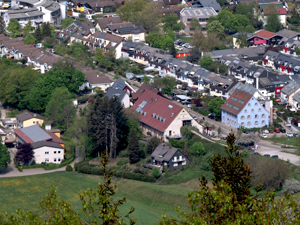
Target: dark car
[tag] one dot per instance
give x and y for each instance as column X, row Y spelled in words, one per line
column 274, row 156
column 282, row 130
column 295, row 134
column 246, row 132
column 271, row 131
column 266, row 155
column 251, row 143
column 224, row 138
column 252, row 131
column 211, row 116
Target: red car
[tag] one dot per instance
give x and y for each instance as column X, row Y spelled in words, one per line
column 277, row 130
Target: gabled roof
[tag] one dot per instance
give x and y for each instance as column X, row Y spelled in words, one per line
column 290, row 88
column 236, row 102
column 103, row 22
column 33, row 134
column 121, row 84
column 287, row 33
column 163, row 153
column 111, row 92
column 142, row 89
column 280, row 11
column 46, row 144
column 246, row 87
column 156, row 111
column 28, row 115
column 265, row 34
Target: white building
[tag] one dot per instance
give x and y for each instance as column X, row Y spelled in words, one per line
column 49, row 152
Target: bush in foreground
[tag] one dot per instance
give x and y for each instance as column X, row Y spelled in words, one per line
column 69, row 168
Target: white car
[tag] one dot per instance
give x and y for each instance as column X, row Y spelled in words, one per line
column 289, row 134
column 265, row 131
column 263, row 135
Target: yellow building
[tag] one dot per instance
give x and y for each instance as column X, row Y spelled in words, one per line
column 26, row 119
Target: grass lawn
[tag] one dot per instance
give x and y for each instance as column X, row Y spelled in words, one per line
column 186, row 39
column 284, row 140
column 150, row 200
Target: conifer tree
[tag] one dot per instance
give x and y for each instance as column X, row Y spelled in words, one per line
column 133, row 147
column 2, row 25
column 38, row 34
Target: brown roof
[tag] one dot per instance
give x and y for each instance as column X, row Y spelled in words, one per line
column 265, row 34
column 171, row 2
column 142, row 89
column 115, row 26
column 107, row 20
column 236, row 102
column 94, row 4
column 157, row 112
column 94, row 77
column 28, row 115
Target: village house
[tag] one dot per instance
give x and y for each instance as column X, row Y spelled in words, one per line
column 288, row 92
column 26, row 119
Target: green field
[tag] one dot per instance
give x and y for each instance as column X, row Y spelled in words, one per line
column 284, row 140
column 150, row 200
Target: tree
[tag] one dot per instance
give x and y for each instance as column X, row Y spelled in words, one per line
column 215, row 106
column 13, row 28
column 29, row 39
column 165, row 42
column 133, row 147
column 145, row 79
column 152, row 144
column 155, row 172
column 291, row 186
column 38, row 34
column 194, row 24
column 67, row 22
column 173, row 50
column 171, row 23
column 46, row 30
column 197, row 149
column 167, row 90
column 242, row 39
column 128, row 11
column 65, row 114
column 215, row 27
column 273, row 22
column 2, row 25
column 186, row 132
column 245, row 9
column 101, row 58
column 4, row 157
column 186, row 150
column 148, row 17
column 194, row 56
column 24, row 154
column 205, row 61
column 28, row 28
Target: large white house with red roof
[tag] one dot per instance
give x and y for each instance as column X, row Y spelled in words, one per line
column 161, row 117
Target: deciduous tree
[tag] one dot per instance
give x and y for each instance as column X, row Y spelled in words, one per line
column 152, row 144
column 215, row 106
column 195, row 24
column 205, row 61
column 28, row 28
column 29, row 39
column 24, row 154
column 4, row 157
column 13, row 28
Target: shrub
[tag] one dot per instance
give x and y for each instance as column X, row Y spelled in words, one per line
column 123, row 154
column 176, row 144
column 245, row 153
column 97, row 170
column 156, row 172
column 122, row 162
column 197, row 149
column 20, row 168
column 186, row 132
column 136, row 170
column 152, row 144
column 142, row 154
column 76, row 166
column 69, row 168
column 291, row 186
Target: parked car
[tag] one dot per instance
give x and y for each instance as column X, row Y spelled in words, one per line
column 289, row 134
column 263, row 135
column 52, row 50
column 251, row 143
column 266, row 155
column 282, row 130
column 271, row 131
column 265, row 131
column 274, row 156
column 252, row 131
column 246, row 132
column 295, row 134
column 211, row 116
column 276, row 130
column 195, row 117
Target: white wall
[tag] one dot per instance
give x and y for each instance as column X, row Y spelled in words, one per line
column 41, row 156
column 126, row 101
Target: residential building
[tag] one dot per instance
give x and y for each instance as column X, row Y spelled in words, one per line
column 205, row 4
column 141, row 90
column 102, row 23
column 47, row 146
column 296, row 102
column 242, row 109
column 289, row 34
column 26, row 119
column 167, row 156
column 123, row 85
column 263, row 37
column 201, row 14
column 161, row 117
column 248, row 88
column 128, row 31
column 288, row 92
column 236, row 35
column 9, row 123
column 122, row 96
column 281, row 12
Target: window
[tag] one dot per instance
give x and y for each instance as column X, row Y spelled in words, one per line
column 165, row 163
column 252, row 110
column 249, row 124
column 58, row 160
column 175, row 159
column 255, row 104
column 263, row 116
column 248, row 117
column 175, row 164
column 263, row 122
column 259, row 110
column 58, row 152
column 183, row 163
column 54, row 152
column 256, row 116
column 242, row 124
column 249, row 104
column 256, row 122
column 223, row 118
column 245, row 110
column 54, row 159
column 46, row 160
column 180, row 158
column 33, row 122
column 242, row 117
column 46, row 153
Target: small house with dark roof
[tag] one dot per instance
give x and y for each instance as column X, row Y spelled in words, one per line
column 27, row 118
column 242, row 109
column 161, row 117
column 123, row 85
column 122, row 96
column 289, row 91
column 167, row 156
column 264, row 37
column 49, row 152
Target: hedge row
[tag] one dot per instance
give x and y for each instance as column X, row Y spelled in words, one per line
column 84, row 167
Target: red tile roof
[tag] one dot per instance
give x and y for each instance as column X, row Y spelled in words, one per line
column 236, row 102
column 156, row 105
column 55, row 139
column 281, row 11
column 141, row 90
column 265, row 34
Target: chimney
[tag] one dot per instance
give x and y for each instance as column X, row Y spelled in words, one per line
column 34, row 115
column 257, row 82
column 237, row 91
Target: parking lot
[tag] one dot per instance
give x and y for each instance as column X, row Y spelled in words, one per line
column 180, row 45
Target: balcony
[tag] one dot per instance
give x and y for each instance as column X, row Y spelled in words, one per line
column 178, row 160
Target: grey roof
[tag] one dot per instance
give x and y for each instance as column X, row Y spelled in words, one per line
column 131, row 30
column 290, row 88
column 40, row 144
column 248, row 88
column 111, row 92
column 119, row 84
column 296, row 97
column 208, row 3
column 249, row 35
column 220, row 53
column 35, row 133
column 287, row 33
column 166, row 153
column 28, row 115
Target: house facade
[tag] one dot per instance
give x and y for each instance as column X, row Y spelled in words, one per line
column 244, row 110
column 27, row 119
column 167, row 156
column 288, row 92
column 47, row 152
